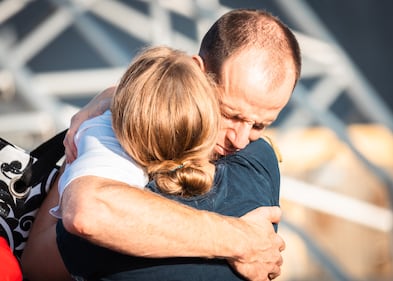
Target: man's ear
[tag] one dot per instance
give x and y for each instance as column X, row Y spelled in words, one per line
column 199, row 62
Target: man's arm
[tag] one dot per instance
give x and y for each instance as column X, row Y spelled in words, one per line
column 142, row 223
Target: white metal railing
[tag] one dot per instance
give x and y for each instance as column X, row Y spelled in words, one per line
column 336, row 204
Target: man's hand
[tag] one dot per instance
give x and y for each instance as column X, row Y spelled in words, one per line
column 95, row 107
column 263, row 260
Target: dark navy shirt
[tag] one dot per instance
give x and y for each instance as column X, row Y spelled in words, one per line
column 243, row 181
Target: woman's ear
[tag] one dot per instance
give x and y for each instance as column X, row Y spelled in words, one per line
column 199, row 62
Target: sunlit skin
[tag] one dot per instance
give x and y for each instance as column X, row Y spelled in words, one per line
column 248, row 103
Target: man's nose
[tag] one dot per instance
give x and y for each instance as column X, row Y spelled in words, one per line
column 240, row 135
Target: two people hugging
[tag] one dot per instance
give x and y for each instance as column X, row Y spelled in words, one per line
column 167, row 184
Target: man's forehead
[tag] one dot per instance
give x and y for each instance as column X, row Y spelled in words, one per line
column 250, row 89
column 258, row 109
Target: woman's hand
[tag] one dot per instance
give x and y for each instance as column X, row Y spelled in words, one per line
column 98, row 105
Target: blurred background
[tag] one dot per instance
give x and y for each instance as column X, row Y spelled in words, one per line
column 335, row 136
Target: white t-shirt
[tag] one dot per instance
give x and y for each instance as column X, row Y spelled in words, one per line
column 100, row 154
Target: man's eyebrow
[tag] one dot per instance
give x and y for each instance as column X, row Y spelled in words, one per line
column 237, row 114
column 229, row 108
column 226, row 109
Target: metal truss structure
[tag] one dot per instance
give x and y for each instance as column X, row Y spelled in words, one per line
column 35, row 99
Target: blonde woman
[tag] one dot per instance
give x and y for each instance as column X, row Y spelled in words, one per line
column 165, row 118
column 167, row 121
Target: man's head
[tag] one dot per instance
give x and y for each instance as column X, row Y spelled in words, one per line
column 256, row 62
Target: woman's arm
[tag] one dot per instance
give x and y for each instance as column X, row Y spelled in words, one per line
column 98, row 105
column 41, row 260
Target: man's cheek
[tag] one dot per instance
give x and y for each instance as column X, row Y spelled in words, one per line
column 221, row 138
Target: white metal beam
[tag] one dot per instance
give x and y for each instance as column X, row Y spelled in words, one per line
column 339, row 205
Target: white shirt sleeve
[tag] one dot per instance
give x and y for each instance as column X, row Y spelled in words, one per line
column 100, row 154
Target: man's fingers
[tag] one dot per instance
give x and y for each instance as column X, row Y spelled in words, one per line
column 256, row 271
column 274, row 274
column 280, row 241
column 272, row 214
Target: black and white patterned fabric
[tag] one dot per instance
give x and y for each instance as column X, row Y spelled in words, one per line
column 24, row 186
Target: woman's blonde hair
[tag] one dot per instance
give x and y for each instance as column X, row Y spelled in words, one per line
column 166, row 116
